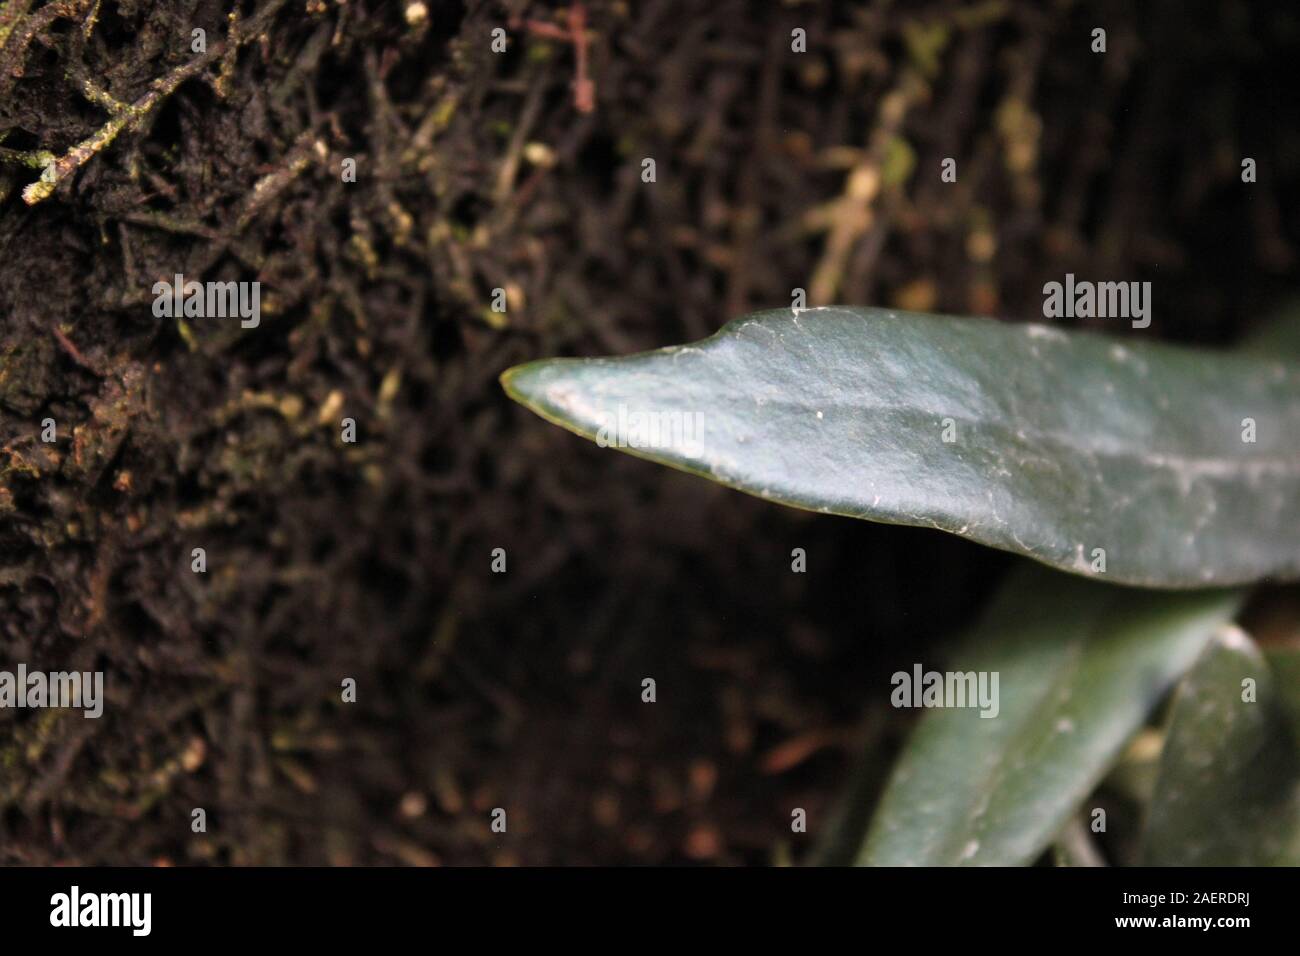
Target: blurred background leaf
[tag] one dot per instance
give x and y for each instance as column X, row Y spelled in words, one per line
column 1229, row 787
column 1081, row 667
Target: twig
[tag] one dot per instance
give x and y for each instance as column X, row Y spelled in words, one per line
column 854, row 214
column 135, row 114
column 73, row 352
column 1074, row 846
column 574, row 33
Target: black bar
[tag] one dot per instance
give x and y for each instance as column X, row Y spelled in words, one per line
column 331, row 907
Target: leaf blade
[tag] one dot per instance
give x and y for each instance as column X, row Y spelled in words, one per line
column 1065, row 443
column 1082, row 666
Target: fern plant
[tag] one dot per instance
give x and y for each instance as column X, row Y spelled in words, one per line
column 1150, row 485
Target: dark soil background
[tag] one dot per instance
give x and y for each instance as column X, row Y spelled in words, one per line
column 476, row 171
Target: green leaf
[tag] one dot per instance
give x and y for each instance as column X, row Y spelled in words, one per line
column 1081, row 666
column 1228, row 793
column 1077, row 450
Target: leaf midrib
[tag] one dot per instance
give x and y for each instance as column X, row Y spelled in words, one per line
column 1210, row 465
